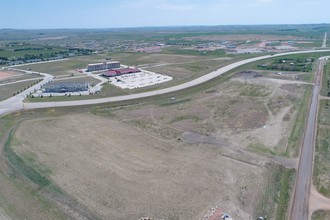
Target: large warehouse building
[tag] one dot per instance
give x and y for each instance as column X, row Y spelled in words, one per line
column 63, row 87
column 103, row 66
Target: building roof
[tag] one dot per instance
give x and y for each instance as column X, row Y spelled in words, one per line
column 93, row 64
column 121, row 71
column 66, row 84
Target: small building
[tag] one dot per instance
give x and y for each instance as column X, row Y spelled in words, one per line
column 63, row 87
column 119, row 72
column 103, row 66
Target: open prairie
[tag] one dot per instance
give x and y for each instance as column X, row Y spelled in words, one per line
column 122, row 172
column 170, row 160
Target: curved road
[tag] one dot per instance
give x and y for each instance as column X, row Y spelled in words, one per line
column 16, row 103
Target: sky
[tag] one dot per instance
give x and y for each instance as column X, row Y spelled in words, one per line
column 46, row 14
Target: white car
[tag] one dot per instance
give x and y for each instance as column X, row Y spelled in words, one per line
column 226, row 217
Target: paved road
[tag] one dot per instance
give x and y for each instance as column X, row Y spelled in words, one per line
column 16, row 103
column 300, row 202
column 324, row 44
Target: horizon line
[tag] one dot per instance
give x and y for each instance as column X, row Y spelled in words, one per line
column 161, row 26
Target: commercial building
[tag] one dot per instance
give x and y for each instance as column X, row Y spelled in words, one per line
column 66, row 87
column 119, row 72
column 103, row 66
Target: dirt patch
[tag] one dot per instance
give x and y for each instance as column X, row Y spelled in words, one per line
column 195, row 138
column 271, row 133
column 244, row 111
column 6, row 74
column 14, row 76
column 122, row 172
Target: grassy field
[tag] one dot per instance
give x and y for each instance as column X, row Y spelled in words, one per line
column 22, row 50
column 117, row 194
column 321, row 215
column 26, row 192
column 306, row 31
column 64, row 67
column 325, row 91
column 19, row 77
column 297, row 133
column 19, row 199
column 322, row 162
column 276, row 199
column 311, row 44
column 7, row 91
column 322, row 159
column 324, row 112
column 188, row 61
column 182, row 51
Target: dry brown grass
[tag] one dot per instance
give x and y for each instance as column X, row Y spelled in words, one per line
column 126, row 173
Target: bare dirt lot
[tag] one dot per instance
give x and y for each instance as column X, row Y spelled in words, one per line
column 126, row 173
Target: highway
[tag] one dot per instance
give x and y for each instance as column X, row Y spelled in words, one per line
column 324, row 44
column 300, row 204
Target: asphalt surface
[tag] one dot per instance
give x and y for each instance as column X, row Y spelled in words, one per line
column 300, row 204
column 324, row 44
column 15, row 103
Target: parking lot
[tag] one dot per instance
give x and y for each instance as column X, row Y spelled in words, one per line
column 139, row 80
